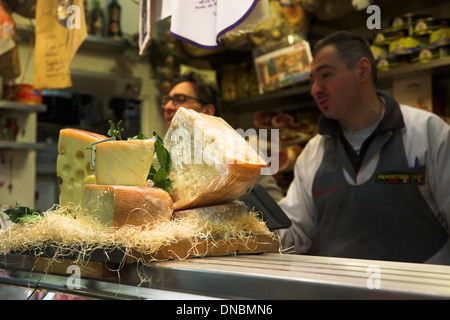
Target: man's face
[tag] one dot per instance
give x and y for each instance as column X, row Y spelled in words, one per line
column 334, row 86
column 183, row 88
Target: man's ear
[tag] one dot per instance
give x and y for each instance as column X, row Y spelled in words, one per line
column 209, row 109
column 364, row 69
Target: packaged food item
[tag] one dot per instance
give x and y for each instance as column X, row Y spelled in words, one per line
column 425, row 54
column 282, row 64
column 97, row 22
column 441, row 36
column 114, row 13
column 394, row 61
column 10, row 130
column 378, row 52
column 404, row 45
column 27, row 94
column 9, row 57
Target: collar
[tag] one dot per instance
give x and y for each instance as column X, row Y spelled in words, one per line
column 392, row 119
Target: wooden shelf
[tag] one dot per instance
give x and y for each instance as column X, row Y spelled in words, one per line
column 91, row 43
column 299, row 96
column 18, row 106
column 435, row 67
column 13, row 145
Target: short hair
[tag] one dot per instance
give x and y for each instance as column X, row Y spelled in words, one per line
column 206, row 92
column 351, row 49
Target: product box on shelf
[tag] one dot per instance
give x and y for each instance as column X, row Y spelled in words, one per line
column 283, row 64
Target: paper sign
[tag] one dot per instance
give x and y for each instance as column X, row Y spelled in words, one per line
column 56, row 44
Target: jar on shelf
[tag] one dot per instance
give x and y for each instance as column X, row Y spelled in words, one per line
column 10, row 130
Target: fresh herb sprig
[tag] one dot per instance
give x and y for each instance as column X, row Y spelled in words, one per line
column 21, row 214
column 159, row 177
column 115, row 131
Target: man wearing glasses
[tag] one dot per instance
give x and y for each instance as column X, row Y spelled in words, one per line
column 191, row 92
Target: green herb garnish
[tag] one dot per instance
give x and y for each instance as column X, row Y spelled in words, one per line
column 159, row 177
column 22, row 214
column 115, row 131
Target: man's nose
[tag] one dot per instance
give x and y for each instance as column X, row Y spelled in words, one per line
column 316, row 88
column 170, row 106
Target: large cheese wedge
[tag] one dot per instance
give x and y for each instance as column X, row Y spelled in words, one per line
column 210, row 162
column 116, row 206
column 73, row 164
column 125, row 162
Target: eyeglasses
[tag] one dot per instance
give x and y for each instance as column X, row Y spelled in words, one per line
column 178, row 99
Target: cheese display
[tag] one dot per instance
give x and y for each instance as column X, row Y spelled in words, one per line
column 124, row 162
column 210, row 162
column 73, row 163
column 116, row 206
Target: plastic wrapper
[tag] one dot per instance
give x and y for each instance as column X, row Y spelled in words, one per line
column 283, row 19
column 124, row 162
column 210, row 162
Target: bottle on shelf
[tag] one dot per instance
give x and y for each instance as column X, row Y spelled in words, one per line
column 114, row 11
column 97, row 25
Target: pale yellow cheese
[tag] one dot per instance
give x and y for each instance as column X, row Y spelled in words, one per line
column 73, row 163
column 116, row 206
column 125, row 162
column 210, row 162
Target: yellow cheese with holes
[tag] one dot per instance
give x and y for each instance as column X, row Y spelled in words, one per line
column 116, row 206
column 73, row 163
column 210, row 162
column 124, row 162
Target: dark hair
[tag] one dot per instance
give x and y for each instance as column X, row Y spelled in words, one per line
column 351, row 49
column 206, row 92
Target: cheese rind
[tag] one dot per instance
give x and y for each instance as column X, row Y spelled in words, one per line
column 125, row 162
column 116, row 206
column 210, row 162
column 73, row 163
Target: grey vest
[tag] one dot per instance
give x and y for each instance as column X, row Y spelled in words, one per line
column 385, row 218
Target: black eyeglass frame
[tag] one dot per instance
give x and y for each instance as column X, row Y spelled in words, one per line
column 176, row 96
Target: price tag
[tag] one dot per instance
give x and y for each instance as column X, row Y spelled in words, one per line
column 93, row 148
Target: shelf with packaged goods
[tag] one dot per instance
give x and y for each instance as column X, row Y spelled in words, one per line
column 299, row 96
column 23, row 108
column 356, row 21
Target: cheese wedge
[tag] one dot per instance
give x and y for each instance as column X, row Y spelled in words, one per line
column 73, row 164
column 210, row 162
column 116, row 206
column 125, row 162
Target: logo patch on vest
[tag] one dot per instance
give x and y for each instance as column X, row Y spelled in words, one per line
column 398, row 177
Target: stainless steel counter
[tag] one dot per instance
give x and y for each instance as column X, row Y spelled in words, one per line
column 263, row 276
